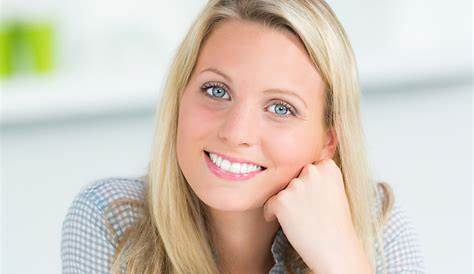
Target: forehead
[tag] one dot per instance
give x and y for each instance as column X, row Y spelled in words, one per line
column 260, row 57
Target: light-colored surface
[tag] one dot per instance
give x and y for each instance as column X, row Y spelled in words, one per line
column 45, row 167
column 420, row 142
column 106, row 55
column 417, row 141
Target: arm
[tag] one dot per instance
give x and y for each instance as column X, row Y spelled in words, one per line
column 402, row 250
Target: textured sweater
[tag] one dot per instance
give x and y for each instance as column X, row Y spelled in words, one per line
column 87, row 246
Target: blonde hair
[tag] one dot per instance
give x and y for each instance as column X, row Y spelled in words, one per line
column 172, row 234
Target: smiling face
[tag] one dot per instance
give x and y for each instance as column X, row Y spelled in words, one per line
column 254, row 95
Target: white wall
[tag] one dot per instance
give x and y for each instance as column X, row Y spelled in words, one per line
column 420, row 141
column 44, row 167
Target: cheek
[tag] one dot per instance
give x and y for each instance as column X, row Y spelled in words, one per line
column 289, row 151
column 294, row 147
column 195, row 123
column 194, row 119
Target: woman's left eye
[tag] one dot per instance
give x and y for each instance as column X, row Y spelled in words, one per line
column 217, row 90
column 282, row 109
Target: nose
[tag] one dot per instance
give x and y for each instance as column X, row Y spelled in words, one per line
column 240, row 126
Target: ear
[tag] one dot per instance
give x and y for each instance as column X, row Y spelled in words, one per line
column 330, row 145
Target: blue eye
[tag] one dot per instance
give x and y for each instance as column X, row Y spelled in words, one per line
column 282, row 109
column 215, row 90
column 219, row 91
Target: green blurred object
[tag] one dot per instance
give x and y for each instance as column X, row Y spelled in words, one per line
column 39, row 38
column 6, row 49
column 25, row 47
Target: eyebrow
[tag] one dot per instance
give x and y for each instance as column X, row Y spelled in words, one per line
column 273, row 90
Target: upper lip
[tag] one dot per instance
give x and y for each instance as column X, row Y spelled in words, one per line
column 235, row 159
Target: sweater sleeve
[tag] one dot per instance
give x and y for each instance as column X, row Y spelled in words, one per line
column 86, row 246
column 402, row 249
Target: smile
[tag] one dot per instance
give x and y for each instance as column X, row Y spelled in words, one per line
column 224, row 168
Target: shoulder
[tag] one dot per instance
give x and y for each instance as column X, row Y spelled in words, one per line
column 104, row 191
column 114, row 199
column 98, row 216
column 401, row 246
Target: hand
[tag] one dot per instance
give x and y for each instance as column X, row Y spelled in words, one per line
column 315, row 216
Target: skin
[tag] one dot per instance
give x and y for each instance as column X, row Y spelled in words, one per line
column 244, row 124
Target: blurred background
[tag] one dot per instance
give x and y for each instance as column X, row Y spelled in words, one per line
column 80, row 80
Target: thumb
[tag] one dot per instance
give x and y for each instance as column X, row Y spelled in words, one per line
column 269, row 213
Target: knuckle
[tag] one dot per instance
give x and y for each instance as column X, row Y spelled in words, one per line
column 329, row 164
column 335, row 168
column 311, row 169
column 283, row 197
column 296, row 183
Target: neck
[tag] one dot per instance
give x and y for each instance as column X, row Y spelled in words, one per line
column 243, row 240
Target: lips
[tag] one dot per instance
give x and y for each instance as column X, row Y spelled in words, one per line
column 226, row 175
column 234, row 160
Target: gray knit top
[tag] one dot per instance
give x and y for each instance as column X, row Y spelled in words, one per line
column 87, row 246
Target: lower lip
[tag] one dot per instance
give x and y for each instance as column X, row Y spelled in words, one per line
column 226, row 174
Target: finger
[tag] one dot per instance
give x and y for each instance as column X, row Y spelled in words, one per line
column 294, row 182
column 306, row 171
column 269, row 213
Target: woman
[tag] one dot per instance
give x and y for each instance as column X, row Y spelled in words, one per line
column 258, row 162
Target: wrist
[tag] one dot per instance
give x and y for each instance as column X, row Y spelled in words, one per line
column 351, row 259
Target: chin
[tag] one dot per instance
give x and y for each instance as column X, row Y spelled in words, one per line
column 228, row 202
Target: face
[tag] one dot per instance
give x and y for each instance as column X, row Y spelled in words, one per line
column 254, row 95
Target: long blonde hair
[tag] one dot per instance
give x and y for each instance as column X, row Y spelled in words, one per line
column 172, row 234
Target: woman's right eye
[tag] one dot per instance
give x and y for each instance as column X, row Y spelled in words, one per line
column 215, row 91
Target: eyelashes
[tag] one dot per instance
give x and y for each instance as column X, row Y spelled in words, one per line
column 209, row 85
column 222, row 93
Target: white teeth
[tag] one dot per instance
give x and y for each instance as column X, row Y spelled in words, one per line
column 225, row 165
column 235, row 168
column 232, row 167
column 244, row 168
